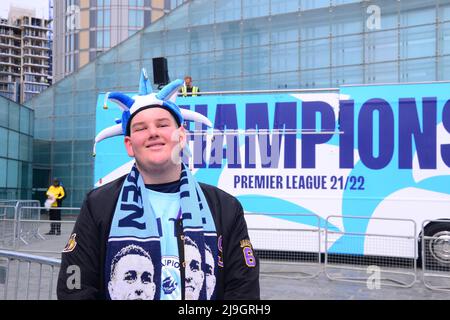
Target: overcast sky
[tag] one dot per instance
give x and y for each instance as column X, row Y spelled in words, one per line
column 41, row 6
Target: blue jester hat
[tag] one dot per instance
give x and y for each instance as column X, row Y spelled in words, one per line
column 132, row 105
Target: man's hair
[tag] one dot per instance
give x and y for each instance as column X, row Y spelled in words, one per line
column 190, row 242
column 130, row 249
column 177, row 121
column 208, row 249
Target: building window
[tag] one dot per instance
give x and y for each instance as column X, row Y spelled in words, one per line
column 67, row 64
column 100, row 18
column 99, row 39
column 105, row 3
column 70, row 43
column 107, row 18
column 67, row 44
column 107, row 39
column 136, row 18
column 103, row 39
column 136, row 3
column 175, row 3
column 103, row 18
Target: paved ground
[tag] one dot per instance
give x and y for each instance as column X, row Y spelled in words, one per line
column 278, row 281
column 275, row 287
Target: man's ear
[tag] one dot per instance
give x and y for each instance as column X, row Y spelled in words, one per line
column 129, row 146
column 112, row 294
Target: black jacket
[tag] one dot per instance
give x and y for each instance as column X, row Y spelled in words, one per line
column 234, row 281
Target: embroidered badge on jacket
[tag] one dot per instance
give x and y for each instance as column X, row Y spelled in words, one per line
column 71, row 244
column 249, row 257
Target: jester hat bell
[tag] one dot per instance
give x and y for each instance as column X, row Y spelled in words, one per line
column 146, row 99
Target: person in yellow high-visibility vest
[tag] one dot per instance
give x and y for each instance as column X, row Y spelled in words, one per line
column 188, row 89
column 55, row 193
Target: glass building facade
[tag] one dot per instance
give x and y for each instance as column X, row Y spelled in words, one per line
column 16, row 141
column 247, row 45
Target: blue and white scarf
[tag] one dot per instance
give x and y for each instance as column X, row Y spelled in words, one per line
column 133, row 256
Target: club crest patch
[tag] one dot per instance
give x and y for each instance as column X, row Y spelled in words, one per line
column 71, row 244
column 249, row 257
column 246, row 243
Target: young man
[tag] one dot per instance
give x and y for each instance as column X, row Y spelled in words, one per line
column 177, row 223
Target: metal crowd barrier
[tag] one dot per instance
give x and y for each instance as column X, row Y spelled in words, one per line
column 7, row 226
column 9, row 218
column 27, row 233
column 6, row 211
column 34, row 232
column 435, row 253
column 389, row 259
column 27, row 277
column 21, row 228
column 283, row 249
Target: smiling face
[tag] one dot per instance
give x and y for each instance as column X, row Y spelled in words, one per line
column 155, row 141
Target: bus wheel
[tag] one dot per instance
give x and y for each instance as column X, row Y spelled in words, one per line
column 437, row 246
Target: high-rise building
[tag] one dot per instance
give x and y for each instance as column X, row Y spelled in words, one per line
column 10, row 59
column 85, row 28
column 24, row 55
